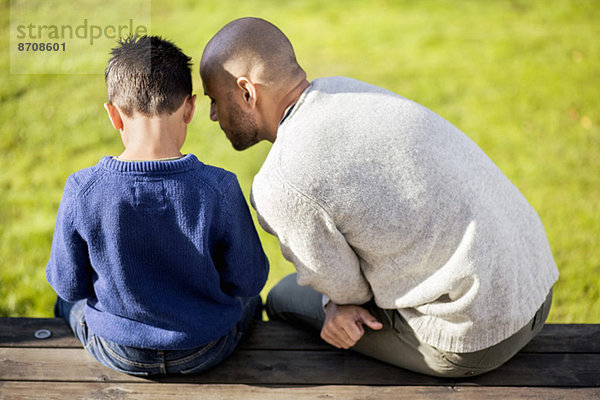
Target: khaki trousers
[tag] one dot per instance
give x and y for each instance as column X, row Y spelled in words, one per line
column 397, row 343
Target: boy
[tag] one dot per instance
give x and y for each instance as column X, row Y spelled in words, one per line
column 155, row 258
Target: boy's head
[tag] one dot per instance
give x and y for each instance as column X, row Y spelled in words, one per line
column 148, row 75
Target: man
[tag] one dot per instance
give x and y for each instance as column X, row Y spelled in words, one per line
column 417, row 249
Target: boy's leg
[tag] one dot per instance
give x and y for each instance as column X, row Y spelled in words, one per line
column 144, row 362
column 217, row 351
column 251, row 312
column 73, row 314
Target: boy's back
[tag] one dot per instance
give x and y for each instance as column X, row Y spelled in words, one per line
column 170, row 246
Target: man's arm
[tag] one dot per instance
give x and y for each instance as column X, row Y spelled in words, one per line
column 310, row 239
column 69, row 271
column 323, row 258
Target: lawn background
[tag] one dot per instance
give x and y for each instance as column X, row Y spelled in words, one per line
column 521, row 78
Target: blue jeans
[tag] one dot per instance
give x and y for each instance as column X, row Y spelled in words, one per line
column 147, row 362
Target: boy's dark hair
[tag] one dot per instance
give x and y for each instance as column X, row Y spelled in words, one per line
column 149, row 75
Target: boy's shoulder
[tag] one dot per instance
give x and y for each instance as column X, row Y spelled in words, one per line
column 81, row 178
column 218, row 178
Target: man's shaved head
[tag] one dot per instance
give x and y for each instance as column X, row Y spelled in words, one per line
column 250, row 73
column 250, row 47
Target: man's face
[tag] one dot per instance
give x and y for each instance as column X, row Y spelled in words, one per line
column 240, row 126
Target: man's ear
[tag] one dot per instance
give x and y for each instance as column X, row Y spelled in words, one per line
column 190, row 107
column 248, row 90
column 115, row 116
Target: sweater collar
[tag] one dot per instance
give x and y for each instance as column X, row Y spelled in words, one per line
column 180, row 164
column 288, row 111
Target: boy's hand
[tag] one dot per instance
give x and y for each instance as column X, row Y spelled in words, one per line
column 343, row 325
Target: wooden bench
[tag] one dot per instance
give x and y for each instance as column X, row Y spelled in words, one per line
column 277, row 361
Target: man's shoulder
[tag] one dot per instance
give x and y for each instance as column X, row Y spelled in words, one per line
column 345, row 85
column 341, row 103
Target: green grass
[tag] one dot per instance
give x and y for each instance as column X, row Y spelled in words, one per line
column 519, row 77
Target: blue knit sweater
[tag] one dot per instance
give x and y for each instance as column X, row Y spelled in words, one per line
column 161, row 250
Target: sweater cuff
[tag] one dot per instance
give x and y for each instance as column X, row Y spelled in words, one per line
column 325, row 300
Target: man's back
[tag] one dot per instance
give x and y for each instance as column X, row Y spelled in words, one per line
column 393, row 201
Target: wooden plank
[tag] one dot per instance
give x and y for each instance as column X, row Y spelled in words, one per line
column 275, row 335
column 272, row 335
column 554, row 338
column 19, row 332
column 126, row 391
column 343, row 368
column 567, row 338
column 301, row 368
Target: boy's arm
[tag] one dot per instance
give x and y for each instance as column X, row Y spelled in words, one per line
column 242, row 264
column 69, row 271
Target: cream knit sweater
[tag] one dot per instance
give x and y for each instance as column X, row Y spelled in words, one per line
column 371, row 194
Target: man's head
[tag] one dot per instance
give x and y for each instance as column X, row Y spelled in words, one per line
column 248, row 68
column 148, row 75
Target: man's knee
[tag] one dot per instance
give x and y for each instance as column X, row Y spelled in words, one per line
column 295, row 304
column 279, row 295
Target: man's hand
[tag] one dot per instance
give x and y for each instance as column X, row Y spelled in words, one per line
column 344, row 324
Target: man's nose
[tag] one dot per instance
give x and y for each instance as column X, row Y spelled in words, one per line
column 213, row 112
